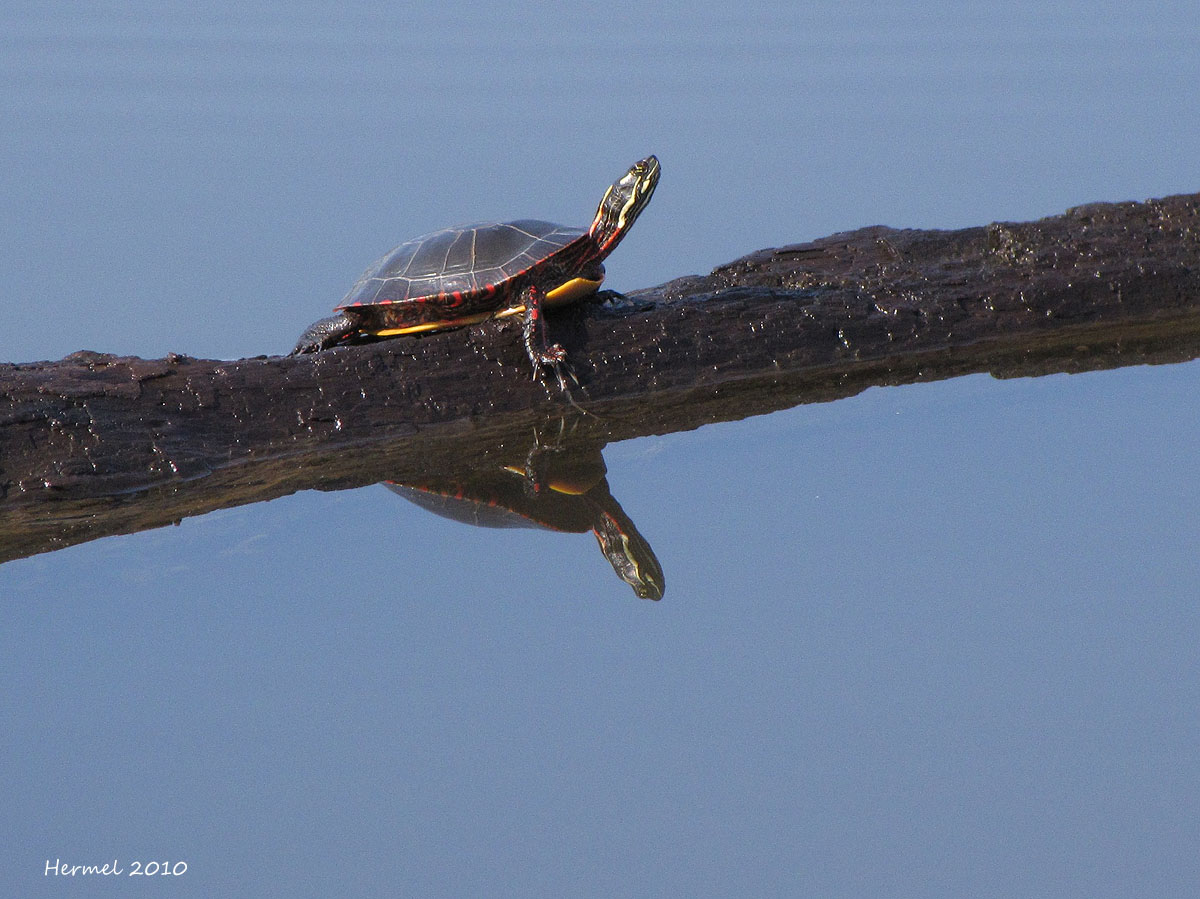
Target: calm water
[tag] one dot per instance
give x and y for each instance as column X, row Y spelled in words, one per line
column 938, row 640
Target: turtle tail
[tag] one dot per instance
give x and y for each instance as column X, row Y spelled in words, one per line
column 326, row 333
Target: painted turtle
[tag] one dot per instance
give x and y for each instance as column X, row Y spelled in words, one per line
column 556, row 489
column 459, row 276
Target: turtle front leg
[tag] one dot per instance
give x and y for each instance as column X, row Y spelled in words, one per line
column 542, row 353
column 326, row 333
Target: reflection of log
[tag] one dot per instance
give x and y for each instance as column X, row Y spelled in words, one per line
column 95, row 444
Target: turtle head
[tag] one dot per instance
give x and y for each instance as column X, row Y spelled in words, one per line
column 629, row 554
column 623, row 202
column 627, row 551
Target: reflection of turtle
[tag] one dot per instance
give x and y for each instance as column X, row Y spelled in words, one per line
column 569, row 493
column 462, row 275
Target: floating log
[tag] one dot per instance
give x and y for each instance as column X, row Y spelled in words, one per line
column 96, row 444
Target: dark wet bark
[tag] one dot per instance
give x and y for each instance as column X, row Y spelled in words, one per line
column 94, row 444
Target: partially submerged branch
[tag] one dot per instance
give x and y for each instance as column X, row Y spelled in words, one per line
column 96, row 444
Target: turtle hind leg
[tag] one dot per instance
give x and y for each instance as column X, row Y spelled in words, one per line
column 326, row 333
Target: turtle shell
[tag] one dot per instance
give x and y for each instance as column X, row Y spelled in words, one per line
column 470, row 267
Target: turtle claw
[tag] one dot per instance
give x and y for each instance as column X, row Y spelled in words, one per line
column 570, row 372
column 562, row 371
column 554, row 357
